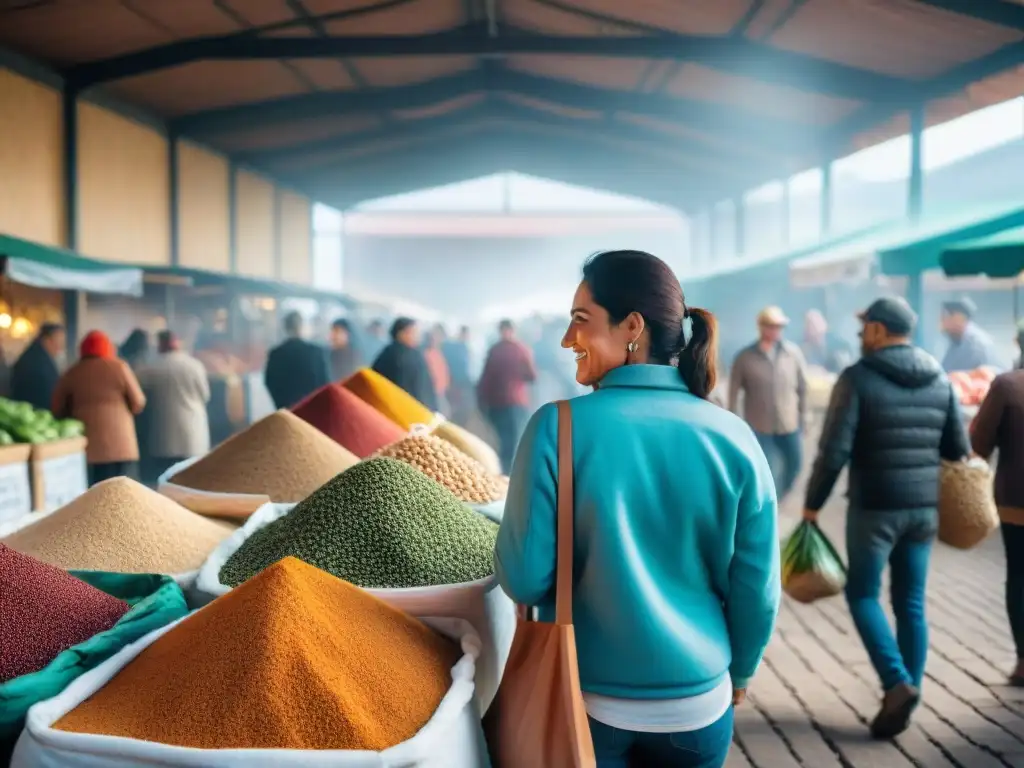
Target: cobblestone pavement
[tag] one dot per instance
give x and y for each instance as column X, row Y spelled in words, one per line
column 816, row 691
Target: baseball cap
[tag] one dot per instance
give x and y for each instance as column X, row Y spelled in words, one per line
column 893, row 313
column 962, row 306
column 772, row 316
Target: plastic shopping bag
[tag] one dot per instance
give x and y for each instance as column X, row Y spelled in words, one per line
column 452, row 738
column 811, row 567
column 482, row 603
column 155, row 602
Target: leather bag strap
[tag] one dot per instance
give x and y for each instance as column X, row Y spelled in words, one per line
column 564, row 547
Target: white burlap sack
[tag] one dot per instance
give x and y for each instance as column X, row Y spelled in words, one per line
column 209, row 503
column 482, row 603
column 967, row 507
column 453, row 738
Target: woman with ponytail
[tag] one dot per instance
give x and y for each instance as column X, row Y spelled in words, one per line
column 676, row 551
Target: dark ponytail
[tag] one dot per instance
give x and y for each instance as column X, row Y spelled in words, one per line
column 698, row 359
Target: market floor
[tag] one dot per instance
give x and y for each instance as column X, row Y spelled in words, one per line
column 816, row 691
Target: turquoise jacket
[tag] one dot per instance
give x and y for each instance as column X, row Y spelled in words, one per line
column 676, row 552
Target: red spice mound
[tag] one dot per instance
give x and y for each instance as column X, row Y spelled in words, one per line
column 44, row 611
column 349, row 421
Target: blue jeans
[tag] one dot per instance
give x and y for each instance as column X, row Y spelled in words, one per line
column 706, row 748
column 785, row 454
column 903, row 539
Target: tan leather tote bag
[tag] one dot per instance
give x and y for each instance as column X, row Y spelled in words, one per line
column 538, row 719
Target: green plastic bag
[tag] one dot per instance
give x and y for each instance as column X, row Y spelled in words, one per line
column 155, row 602
column 811, row 567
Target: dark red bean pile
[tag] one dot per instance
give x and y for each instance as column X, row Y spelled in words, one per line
column 44, row 611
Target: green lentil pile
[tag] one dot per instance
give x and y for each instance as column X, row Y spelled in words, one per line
column 381, row 524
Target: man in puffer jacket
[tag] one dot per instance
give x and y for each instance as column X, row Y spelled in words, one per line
column 892, row 417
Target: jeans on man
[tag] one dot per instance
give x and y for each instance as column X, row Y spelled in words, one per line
column 704, row 748
column 1013, row 541
column 902, row 539
column 509, row 423
column 785, row 455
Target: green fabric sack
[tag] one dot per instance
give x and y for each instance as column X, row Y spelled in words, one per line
column 811, row 567
column 155, row 602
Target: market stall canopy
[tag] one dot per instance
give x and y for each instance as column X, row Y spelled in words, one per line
column 682, row 103
column 999, row 256
column 900, row 248
column 44, row 266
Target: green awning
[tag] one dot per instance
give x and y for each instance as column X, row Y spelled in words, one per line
column 1000, row 255
column 44, row 266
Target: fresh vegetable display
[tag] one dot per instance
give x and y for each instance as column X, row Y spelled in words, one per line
column 972, row 386
column 21, row 423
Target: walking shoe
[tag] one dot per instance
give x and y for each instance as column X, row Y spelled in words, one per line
column 1017, row 676
column 897, row 706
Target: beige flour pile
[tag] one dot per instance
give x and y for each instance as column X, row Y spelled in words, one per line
column 120, row 525
column 446, row 464
column 280, row 456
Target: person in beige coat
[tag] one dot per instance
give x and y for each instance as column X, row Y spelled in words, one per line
column 179, row 390
column 102, row 392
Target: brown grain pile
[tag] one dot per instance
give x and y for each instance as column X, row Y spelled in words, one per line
column 280, row 456
column 447, row 465
column 292, row 659
column 121, row 526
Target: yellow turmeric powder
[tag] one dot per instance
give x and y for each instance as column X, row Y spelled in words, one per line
column 292, row 659
column 388, row 398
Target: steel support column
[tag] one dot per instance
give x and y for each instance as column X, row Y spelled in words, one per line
column 278, row 235
column 740, row 223
column 72, row 300
column 233, row 216
column 826, row 199
column 915, row 187
column 173, row 189
column 785, row 213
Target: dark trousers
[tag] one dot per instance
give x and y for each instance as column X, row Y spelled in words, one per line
column 1013, row 541
column 903, row 541
column 100, row 472
column 704, row 748
column 508, row 423
column 785, row 454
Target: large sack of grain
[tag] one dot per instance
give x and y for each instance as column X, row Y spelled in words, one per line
column 967, row 507
column 280, row 458
column 310, row 696
column 389, row 529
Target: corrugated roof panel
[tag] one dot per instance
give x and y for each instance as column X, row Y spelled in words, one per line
column 896, row 37
column 69, row 33
column 551, row 107
column 298, row 132
column 534, row 16
column 207, row 85
column 694, row 81
column 441, row 108
column 407, row 70
column 623, row 74
column 695, row 17
column 416, row 17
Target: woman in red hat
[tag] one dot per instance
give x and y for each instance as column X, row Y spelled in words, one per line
column 101, row 391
